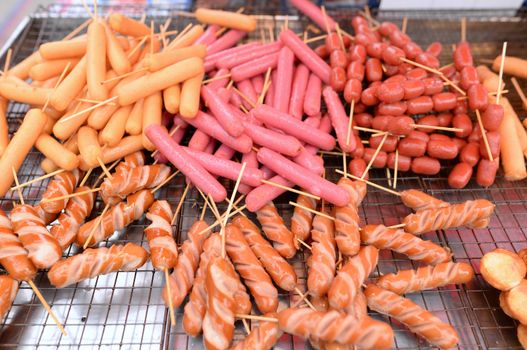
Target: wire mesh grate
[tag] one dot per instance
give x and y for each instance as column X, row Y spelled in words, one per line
column 124, row 309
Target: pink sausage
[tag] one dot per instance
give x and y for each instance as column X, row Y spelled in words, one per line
column 209, row 36
column 211, row 127
column 221, row 83
column 314, row 13
column 177, row 136
column 212, row 59
column 246, row 87
column 258, row 83
column 226, row 41
column 224, row 152
column 284, row 79
column 263, row 194
column 281, row 143
column 255, row 67
column 250, row 159
column 220, row 109
column 315, row 64
column 226, row 168
column 294, row 127
column 185, row 163
column 413, row 88
column 298, row 91
column 313, row 95
column 390, row 92
column 199, row 141
column 269, row 97
column 210, row 147
column 303, row 178
column 232, row 61
column 339, row 120
column 396, row 108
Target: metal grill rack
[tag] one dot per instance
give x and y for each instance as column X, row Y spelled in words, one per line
column 124, row 309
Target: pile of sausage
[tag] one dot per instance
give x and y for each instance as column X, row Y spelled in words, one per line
column 506, row 271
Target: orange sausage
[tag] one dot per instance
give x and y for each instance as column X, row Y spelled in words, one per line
column 152, row 115
column 63, row 49
column 20, row 145
column 134, row 123
column 70, row 87
column 226, row 19
column 113, row 132
column 347, row 218
column 21, row 70
column 172, row 98
column 8, row 291
column 127, row 26
column 513, row 65
column 55, row 151
column 99, row 117
column 65, row 128
column 322, row 262
column 302, row 219
column 128, row 145
column 276, row 231
column 190, row 96
column 116, row 53
column 96, row 61
column 164, row 59
column 89, row 147
column 25, row 93
column 71, row 145
column 187, row 39
column 4, row 128
column 50, row 69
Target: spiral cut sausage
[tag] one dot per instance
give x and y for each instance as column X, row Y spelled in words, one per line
column 302, row 219
column 322, row 263
column 333, row 326
column 163, row 248
column 426, row 277
column 116, row 218
column 43, row 249
column 8, row 290
column 263, row 337
column 77, row 210
column 182, row 278
column 276, row 231
column 347, row 220
column 351, row 276
column 405, row 243
column 132, row 179
column 250, row 269
column 218, row 323
column 417, row 319
column 61, row 185
column 13, row 256
column 454, row 215
column 96, row 262
column 417, row 200
column 132, row 160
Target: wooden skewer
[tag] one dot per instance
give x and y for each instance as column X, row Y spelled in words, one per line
column 46, row 306
column 71, row 195
column 444, row 128
column 203, row 211
column 389, row 177
column 371, row 184
column 87, row 100
column 303, row 296
column 111, row 99
column 326, row 23
column 431, row 70
column 404, row 24
column 99, row 222
column 229, row 208
column 119, row 77
column 360, row 128
column 101, row 176
column 347, row 34
column 313, row 29
column 395, row 169
column 454, row 85
column 37, row 179
column 267, row 85
column 484, row 135
column 502, row 63
column 164, row 182
column 463, row 29
column 303, row 243
column 257, row 318
column 88, row 9
column 170, row 304
column 344, row 164
column 56, row 85
column 219, row 222
column 247, row 99
column 396, row 226
column 350, row 122
column 315, row 38
column 339, row 34
column 271, row 32
column 180, row 204
column 290, row 189
column 246, row 326
column 104, row 168
column 374, row 156
column 445, row 66
column 316, row 212
column 215, row 210
column 519, row 91
column 8, row 60
column 15, row 176
column 86, row 176
column 216, row 78
column 234, row 206
column 495, row 93
column 136, row 47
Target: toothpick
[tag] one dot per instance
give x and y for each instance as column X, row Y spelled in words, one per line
column 229, row 208
column 257, row 318
column 374, row 156
column 313, row 29
column 46, row 306
column 87, row 100
column 180, row 204
column 99, row 178
column 326, row 23
column 396, row 226
column 290, row 189
column 396, row 168
column 246, row 326
column 95, row 225
column 234, row 205
column 88, row 109
column 519, row 91
column 219, row 222
column 225, row 76
column 95, row 9
column 344, row 164
column 502, row 64
column 371, row 183
column 404, row 25
column 267, row 84
column 134, row 50
column 170, row 304
column 164, row 182
column 315, row 38
column 388, row 177
column 104, row 168
column 205, row 205
column 86, row 176
column 37, row 179
column 451, row 83
column 214, row 208
column 18, row 185
column 88, row 9
column 431, row 70
column 444, row 128
column 124, row 75
column 8, row 60
column 350, row 122
column 247, row 99
column 463, row 29
column 484, row 135
column 316, row 212
column 71, row 195
column 299, row 292
column 339, row 34
column 493, row 93
column 151, row 37
column 271, row 32
column 56, row 85
column 360, row 128
column 303, row 243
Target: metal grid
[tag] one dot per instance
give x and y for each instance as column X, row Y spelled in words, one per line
column 124, row 309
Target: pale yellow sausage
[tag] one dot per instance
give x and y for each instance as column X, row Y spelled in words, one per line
column 190, row 94
column 70, row 87
column 172, row 98
column 152, row 114
column 113, row 132
column 89, row 147
column 116, row 54
column 57, row 152
column 226, row 19
column 134, row 124
column 96, row 61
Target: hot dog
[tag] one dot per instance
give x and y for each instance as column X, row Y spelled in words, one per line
column 314, row 13
column 8, row 291
column 276, row 231
column 426, row 165
column 322, row 263
column 347, row 219
column 163, row 249
column 339, row 120
column 263, row 337
column 302, row 219
column 226, row 19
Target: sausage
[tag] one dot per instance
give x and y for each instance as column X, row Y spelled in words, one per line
column 380, row 160
column 357, row 53
column 486, row 173
column 454, row 215
column 315, row 14
column 302, row 219
column 404, row 243
column 363, row 119
column 357, row 166
column 492, row 117
column 220, row 109
column 411, row 147
column 62, row 184
column 493, row 138
column 420, row 135
column 339, row 120
column 163, row 248
column 397, row 78
column 284, row 79
column 390, row 144
column 218, row 323
column 258, row 197
column 426, row 277
column 426, row 165
column 298, row 91
column 412, row 50
column 8, row 292
column 395, row 109
column 373, row 69
column 462, row 121
column 468, row 77
column 387, row 27
column 393, row 55
column 251, row 270
column 96, row 61
column 435, row 48
column 347, row 217
column 418, row 200
column 462, row 56
column 470, row 154
column 403, row 162
column 13, row 256
column 416, row 74
column 351, row 276
column 433, row 86
column 445, row 119
column 43, row 249
column 390, row 92
column 420, row 105
column 460, row 175
column 376, row 49
column 417, row 319
column 413, row 88
column 276, row 266
column 369, row 96
column 182, row 277
column 494, row 264
column 116, row 218
column 478, row 98
column 428, row 60
column 444, row 101
column 263, row 337
column 442, row 149
column 338, row 58
column 337, row 78
column 276, row 231
column 313, row 95
column 126, row 146
column 355, row 70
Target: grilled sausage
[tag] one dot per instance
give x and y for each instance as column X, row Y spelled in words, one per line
column 302, row 219
column 163, row 248
column 322, row 263
column 347, row 218
column 8, row 290
column 275, row 230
